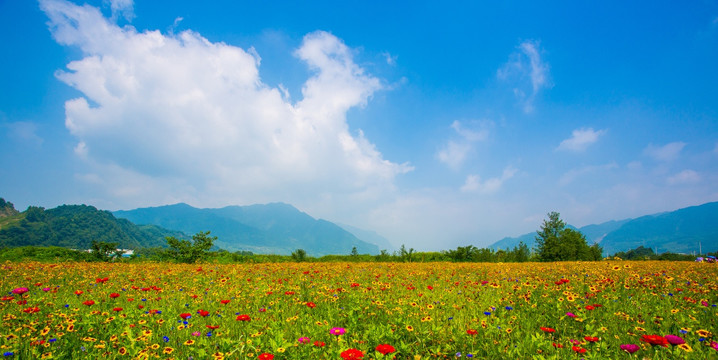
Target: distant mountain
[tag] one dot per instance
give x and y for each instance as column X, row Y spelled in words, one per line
column 369, row 236
column 275, row 228
column 685, row 230
column 76, row 226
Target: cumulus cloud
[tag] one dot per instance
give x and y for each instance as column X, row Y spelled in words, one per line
column 527, row 72
column 180, row 109
column 684, row 177
column 473, row 183
column 454, row 153
column 668, row 152
column 580, row 139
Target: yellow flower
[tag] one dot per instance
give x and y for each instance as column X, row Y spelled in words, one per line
column 409, row 328
column 168, row 350
column 189, row 342
column 281, row 350
column 686, row 347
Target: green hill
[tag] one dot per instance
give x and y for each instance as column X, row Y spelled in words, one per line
column 76, row 226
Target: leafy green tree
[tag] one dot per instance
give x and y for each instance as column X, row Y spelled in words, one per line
column 556, row 242
column 190, row 252
column 355, row 252
column 103, row 251
column 299, row 255
column 406, row 255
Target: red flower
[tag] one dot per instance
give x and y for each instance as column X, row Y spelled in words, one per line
column 212, row 327
column 430, row 287
column 655, row 340
column 289, row 293
column 471, row 332
column 385, row 349
column 78, row 292
column 31, row 310
column 548, row 329
column 578, row 349
column 114, row 295
column 591, row 339
column 100, row 281
column 265, row 356
column 243, row 317
column 225, row 302
column 185, row 316
column 117, row 309
column 89, row 302
column 589, row 307
column 352, row 354
column 202, row 313
column 558, row 346
column 319, row 344
column 311, row 305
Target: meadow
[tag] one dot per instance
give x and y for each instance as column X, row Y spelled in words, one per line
column 590, row 310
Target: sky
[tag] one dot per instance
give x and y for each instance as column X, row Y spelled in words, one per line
column 434, row 124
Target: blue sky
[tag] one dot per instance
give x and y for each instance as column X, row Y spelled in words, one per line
column 436, row 125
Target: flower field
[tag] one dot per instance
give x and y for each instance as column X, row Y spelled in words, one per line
column 591, row 310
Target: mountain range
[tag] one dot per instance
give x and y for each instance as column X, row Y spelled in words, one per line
column 687, row 230
column 275, row 228
column 76, row 227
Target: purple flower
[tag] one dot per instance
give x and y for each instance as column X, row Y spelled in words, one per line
column 674, row 340
column 630, row 348
column 569, row 314
column 303, row 340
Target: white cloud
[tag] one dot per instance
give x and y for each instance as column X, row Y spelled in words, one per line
column 160, row 109
column 390, row 60
column 454, row 153
column 580, row 139
column 668, row 152
column 473, row 183
column 527, row 72
column 684, row 177
column 124, row 8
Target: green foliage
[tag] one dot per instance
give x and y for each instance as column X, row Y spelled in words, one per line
column 556, row 242
column 190, row 252
column 300, row 255
column 103, row 251
column 406, row 255
column 354, row 252
column 43, row 253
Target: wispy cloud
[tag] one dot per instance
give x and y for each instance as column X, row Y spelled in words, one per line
column 124, row 8
column 527, row 72
column 684, row 177
column 473, row 183
column 22, row 131
column 668, row 152
column 454, row 153
column 580, row 139
column 573, row 174
column 195, row 114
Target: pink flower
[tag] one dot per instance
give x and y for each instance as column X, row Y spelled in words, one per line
column 20, row 291
column 674, row 340
column 303, row 340
column 337, row 331
column 630, row 348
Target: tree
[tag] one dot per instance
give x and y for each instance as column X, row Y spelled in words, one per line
column 190, row 252
column 556, row 242
column 299, row 255
column 355, row 252
column 406, row 256
column 104, row 251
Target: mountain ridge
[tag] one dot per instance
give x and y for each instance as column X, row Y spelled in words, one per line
column 686, row 230
column 277, row 228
